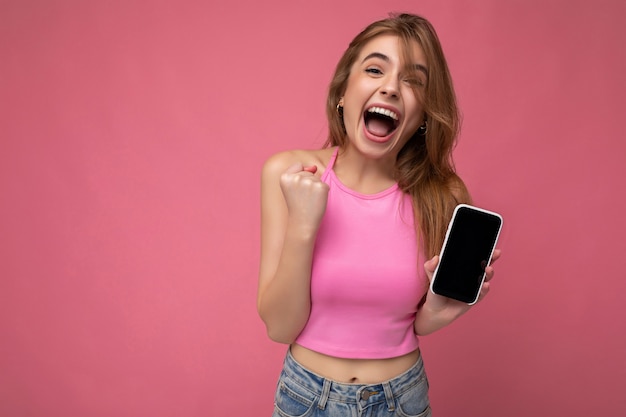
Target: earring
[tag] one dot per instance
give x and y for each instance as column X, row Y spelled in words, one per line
column 423, row 128
column 340, row 107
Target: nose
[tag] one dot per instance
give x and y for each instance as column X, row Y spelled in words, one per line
column 390, row 88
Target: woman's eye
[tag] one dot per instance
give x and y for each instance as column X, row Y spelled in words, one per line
column 373, row 71
column 414, row 82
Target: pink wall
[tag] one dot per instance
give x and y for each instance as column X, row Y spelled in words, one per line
column 131, row 139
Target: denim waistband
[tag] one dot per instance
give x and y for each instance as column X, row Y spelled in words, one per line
column 331, row 390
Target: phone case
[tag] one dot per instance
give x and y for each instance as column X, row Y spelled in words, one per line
column 463, row 257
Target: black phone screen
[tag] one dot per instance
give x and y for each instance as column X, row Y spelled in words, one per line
column 467, row 251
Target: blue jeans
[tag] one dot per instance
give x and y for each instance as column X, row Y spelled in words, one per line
column 301, row 393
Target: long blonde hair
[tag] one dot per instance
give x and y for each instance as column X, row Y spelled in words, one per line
column 424, row 167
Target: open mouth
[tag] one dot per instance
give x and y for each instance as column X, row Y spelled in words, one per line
column 380, row 122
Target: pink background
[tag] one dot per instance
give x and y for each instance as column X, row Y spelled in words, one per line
column 131, row 139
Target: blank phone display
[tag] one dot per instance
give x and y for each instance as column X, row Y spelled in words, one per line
column 467, row 251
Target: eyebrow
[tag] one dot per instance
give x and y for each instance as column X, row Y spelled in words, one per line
column 385, row 58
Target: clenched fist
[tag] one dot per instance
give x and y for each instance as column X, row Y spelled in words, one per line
column 306, row 196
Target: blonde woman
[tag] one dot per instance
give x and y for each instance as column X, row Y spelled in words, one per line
column 350, row 232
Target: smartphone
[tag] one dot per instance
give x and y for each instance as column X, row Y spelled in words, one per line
column 467, row 249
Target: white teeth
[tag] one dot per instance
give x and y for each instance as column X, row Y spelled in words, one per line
column 385, row 112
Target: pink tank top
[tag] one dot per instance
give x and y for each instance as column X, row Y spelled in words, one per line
column 366, row 278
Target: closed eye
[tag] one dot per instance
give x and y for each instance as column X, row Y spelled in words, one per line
column 414, row 82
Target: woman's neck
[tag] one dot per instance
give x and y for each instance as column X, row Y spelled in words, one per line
column 362, row 174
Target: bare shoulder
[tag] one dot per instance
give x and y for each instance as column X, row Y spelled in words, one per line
column 276, row 164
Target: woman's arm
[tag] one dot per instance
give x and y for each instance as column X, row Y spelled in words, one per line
column 293, row 201
column 438, row 311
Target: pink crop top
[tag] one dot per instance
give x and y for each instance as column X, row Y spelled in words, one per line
column 365, row 281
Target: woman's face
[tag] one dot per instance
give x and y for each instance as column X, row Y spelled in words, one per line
column 380, row 108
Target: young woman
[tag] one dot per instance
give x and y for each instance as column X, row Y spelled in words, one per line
column 350, row 232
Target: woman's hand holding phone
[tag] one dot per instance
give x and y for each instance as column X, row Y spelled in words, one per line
column 439, row 302
column 460, row 275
